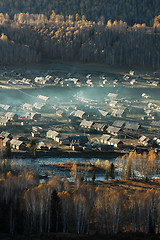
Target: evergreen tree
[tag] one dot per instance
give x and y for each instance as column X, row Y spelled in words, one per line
column 7, row 152
column 93, row 176
column 55, row 212
column 107, row 174
column 112, row 171
column 32, row 147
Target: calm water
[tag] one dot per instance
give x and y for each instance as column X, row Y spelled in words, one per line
column 35, row 164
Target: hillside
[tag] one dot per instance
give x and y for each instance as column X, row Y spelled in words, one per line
column 32, row 37
column 131, row 11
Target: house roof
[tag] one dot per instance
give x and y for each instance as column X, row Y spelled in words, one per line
column 5, row 140
column 148, row 111
column 27, row 105
column 99, row 125
column 34, row 114
column 112, row 95
column 118, row 111
column 115, row 141
column 113, row 103
column 5, row 107
column 142, row 138
column 78, row 138
column 43, row 97
column 105, row 137
column 103, row 113
column 79, row 113
column 3, row 120
column 156, row 140
column 10, row 114
column 86, row 123
column 113, row 129
column 52, row 133
column 132, row 125
column 59, row 112
column 118, row 123
column 38, row 105
column 4, row 134
column 16, row 142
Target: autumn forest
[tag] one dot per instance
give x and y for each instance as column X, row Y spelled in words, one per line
column 29, row 38
column 80, row 207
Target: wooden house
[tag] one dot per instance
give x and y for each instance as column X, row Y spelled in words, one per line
column 103, row 114
column 4, row 134
column 27, row 106
column 80, row 114
column 113, row 103
column 118, row 123
column 4, row 121
column 86, row 124
column 114, row 130
column 80, row 140
column 35, row 116
column 112, row 95
column 99, row 127
column 145, row 141
column 54, row 135
column 132, row 126
column 104, row 139
column 42, row 146
column 35, row 134
column 17, row 144
column 115, row 142
column 5, row 141
column 118, row 112
column 11, row 116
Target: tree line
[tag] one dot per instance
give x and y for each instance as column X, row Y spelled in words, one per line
column 134, row 165
column 32, row 37
column 130, row 11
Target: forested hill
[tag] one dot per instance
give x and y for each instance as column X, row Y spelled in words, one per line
column 31, row 37
column 130, row 11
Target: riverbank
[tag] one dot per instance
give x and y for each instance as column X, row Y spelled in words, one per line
column 61, row 154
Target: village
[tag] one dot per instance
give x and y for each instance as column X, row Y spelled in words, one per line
column 95, row 115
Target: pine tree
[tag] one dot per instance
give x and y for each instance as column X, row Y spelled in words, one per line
column 7, row 152
column 32, row 147
column 55, row 211
column 93, row 176
column 106, row 174
column 112, row 171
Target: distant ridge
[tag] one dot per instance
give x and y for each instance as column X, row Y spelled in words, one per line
column 130, row 11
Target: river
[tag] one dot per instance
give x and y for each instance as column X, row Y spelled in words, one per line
column 40, row 165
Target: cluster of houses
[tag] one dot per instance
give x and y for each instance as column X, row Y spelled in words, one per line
column 81, row 123
column 6, row 119
column 14, row 143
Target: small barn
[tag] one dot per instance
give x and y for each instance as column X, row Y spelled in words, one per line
column 115, row 142
column 86, row 124
column 17, row 144
column 80, row 114
column 105, row 138
column 114, row 130
column 54, row 135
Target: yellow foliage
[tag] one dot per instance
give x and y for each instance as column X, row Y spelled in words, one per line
column 52, row 17
column 4, row 37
